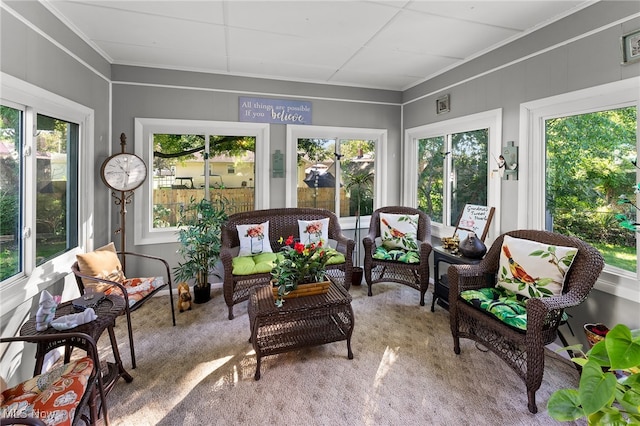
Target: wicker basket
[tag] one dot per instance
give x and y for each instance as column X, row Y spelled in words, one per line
column 311, row 289
column 593, row 337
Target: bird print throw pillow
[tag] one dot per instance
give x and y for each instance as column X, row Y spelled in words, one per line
column 533, row 269
column 399, row 231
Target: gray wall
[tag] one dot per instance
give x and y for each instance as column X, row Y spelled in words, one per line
column 583, row 63
column 153, row 93
column 505, row 82
column 33, row 58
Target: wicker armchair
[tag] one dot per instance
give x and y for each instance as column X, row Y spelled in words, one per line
column 282, row 223
column 522, row 351
column 415, row 275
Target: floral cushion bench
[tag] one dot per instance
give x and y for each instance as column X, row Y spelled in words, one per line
column 251, row 242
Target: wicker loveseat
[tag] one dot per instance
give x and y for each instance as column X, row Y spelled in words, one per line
column 282, row 223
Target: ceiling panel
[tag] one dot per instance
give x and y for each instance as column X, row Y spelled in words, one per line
column 514, row 14
column 380, row 44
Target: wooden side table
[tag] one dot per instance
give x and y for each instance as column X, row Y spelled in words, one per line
column 441, row 282
column 107, row 311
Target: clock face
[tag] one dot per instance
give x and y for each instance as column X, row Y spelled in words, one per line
column 124, row 172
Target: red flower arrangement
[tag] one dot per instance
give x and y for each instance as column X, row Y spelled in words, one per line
column 298, row 264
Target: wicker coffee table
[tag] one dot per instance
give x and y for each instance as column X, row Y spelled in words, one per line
column 300, row 322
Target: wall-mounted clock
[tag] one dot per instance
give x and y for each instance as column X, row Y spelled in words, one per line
column 123, row 172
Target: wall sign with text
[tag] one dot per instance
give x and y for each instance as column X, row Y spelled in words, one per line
column 280, row 111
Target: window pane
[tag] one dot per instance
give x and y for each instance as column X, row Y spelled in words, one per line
column 589, row 165
column 317, row 174
column 232, row 171
column 469, row 152
column 57, row 187
column 430, row 177
column 357, row 163
column 10, row 189
column 182, row 172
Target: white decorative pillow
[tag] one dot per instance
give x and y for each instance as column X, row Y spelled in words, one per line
column 533, row 269
column 254, row 239
column 399, row 231
column 101, row 263
column 312, row 231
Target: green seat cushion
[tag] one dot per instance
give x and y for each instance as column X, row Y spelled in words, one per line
column 264, row 262
column 399, row 255
column 259, row 264
column 335, row 257
column 504, row 305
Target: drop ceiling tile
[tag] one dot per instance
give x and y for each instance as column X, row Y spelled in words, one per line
column 197, row 11
column 123, row 27
column 372, row 79
column 170, row 58
column 289, row 49
column 398, row 62
column 520, row 15
column 347, row 21
column 256, row 67
column 420, row 33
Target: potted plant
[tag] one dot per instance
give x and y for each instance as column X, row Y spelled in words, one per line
column 609, row 388
column 360, row 182
column 200, row 243
column 299, row 264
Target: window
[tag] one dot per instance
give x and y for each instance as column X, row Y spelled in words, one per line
column 42, row 225
column 450, row 164
column 452, row 172
column 335, row 168
column 190, row 167
column 328, row 172
column 11, row 188
column 577, row 162
column 196, row 160
column 589, row 165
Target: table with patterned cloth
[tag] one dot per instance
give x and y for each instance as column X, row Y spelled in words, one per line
column 107, row 311
column 300, row 322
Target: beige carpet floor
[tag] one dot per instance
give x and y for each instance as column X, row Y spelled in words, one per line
column 404, row 371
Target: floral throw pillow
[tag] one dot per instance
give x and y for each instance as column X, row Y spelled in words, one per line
column 312, row 231
column 254, row 239
column 533, row 269
column 399, row 231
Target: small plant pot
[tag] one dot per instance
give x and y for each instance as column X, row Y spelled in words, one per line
column 356, row 278
column 202, row 294
column 595, row 333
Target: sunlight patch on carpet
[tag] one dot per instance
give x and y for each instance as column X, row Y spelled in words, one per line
column 388, row 359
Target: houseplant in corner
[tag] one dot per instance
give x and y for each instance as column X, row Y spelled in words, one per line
column 609, row 388
column 200, row 243
column 359, row 181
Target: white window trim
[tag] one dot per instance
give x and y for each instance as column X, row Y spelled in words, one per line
column 143, row 199
column 491, row 120
column 295, row 132
column 34, row 278
column 531, row 186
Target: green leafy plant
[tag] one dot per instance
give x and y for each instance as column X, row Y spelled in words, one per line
column 629, row 221
column 200, row 239
column 298, row 264
column 609, row 388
